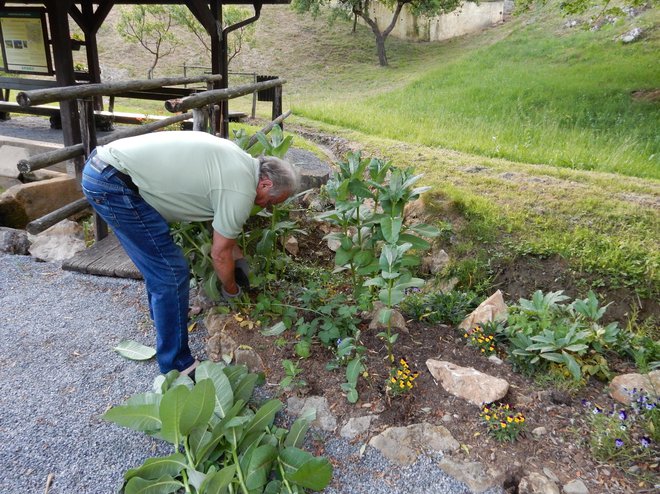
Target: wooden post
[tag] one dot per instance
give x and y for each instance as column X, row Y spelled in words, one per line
column 277, row 104
column 201, row 119
column 58, row 18
column 88, row 134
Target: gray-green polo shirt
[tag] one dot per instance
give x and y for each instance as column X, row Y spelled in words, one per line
column 190, row 176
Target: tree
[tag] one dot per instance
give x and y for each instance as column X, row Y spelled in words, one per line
column 362, row 9
column 573, row 7
column 150, row 26
column 230, row 15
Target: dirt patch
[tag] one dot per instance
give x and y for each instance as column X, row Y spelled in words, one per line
column 563, row 449
column 526, row 274
column 646, row 95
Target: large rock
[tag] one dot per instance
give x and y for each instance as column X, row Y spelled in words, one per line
column 325, row 420
column 356, row 426
column 467, row 383
column 576, row 487
column 472, row 473
column 219, row 342
column 59, row 242
column 621, row 386
column 396, row 319
column 23, row 203
column 536, row 483
column 435, row 263
column 14, row 241
column 313, row 171
column 402, row 445
column 491, row 309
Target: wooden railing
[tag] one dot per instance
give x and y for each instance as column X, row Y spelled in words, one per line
column 203, row 105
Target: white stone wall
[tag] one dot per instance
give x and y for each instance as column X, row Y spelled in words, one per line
column 468, row 18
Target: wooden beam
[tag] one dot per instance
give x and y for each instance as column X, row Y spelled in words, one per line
column 48, row 95
column 212, row 97
column 200, row 9
column 41, row 224
column 43, row 160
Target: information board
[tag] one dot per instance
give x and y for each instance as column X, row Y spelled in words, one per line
column 25, row 48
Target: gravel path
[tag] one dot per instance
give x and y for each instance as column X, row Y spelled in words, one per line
column 58, row 374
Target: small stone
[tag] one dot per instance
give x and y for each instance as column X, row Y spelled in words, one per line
column 325, row 420
column 356, row 426
column 468, row 383
column 14, row 241
column 291, row 246
column 446, row 418
column 491, row 309
column 631, row 36
column 495, row 359
column 539, row 431
column 606, row 472
column 576, row 487
column 403, row 445
column 249, row 358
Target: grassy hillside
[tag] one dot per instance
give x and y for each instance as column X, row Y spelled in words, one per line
column 505, row 124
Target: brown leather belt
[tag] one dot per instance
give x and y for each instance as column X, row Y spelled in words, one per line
column 99, row 165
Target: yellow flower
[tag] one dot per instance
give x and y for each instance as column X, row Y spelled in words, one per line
column 393, row 380
column 465, row 335
column 509, row 419
column 483, row 351
column 401, row 385
column 487, row 417
column 503, row 425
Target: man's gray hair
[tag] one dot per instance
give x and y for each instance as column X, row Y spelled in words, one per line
column 283, row 174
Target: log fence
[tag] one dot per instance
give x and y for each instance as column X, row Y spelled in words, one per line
column 203, row 107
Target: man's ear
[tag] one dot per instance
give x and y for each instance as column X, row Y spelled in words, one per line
column 265, row 183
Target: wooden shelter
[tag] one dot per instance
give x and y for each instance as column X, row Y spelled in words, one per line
column 89, row 15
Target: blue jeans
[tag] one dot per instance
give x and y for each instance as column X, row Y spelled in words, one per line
column 145, row 236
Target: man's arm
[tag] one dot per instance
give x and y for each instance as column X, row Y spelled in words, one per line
column 222, row 255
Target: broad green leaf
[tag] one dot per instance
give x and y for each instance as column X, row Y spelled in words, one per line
column 171, row 408
column 572, row 365
column 274, row 330
column 416, row 242
column 143, row 418
column 314, row 474
column 293, row 458
column 198, row 407
column 273, row 487
column 163, row 485
column 411, row 283
column 363, row 258
column 352, row 395
column 234, row 429
column 211, row 287
column 218, row 482
column 224, row 396
column 235, row 373
column 296, row 434
column 343, row 256
column 553, row 357
column 246, row 387
column 385, row 315
column 353, row 370
column 391, row 297
column 195, row 478
column 391, row 228
column 425, row 230
column 264, row 416
column 155, row 468
column 134, row 351
column 578, row 347
column 259, row 467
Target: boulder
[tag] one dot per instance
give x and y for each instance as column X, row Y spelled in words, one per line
column 435, row 263
column 397, row 320
column 467, row 383
column 248, row 357
column 575, row 487
column 23, row 203
column 491, row 309
column 632, row 35
column 325, row 420
column 472, row 473
column 536, row 483
column 622, row 385
column 313, row 172
column 14, row 241
column 356, row 426
column 402, row 445
column 219, row 342
column 59, row 242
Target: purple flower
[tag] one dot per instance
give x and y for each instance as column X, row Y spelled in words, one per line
column 623, row 415
column 597, row 410
column 586, row 403
column 618, row 443
column 338, row 341
column 646, row 441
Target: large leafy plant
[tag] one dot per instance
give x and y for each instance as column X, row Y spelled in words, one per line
column 220, row 444
column 545, row 332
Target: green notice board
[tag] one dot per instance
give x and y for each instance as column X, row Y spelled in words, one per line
column 24, row 39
